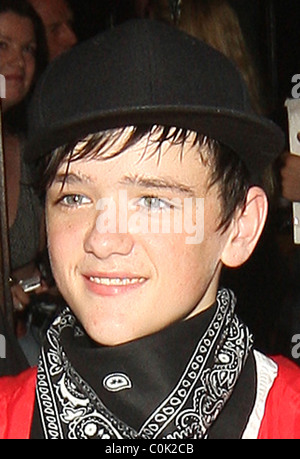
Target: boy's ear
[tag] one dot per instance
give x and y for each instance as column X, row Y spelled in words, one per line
column 246, row 228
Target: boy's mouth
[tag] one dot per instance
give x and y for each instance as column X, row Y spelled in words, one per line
column 116, row 281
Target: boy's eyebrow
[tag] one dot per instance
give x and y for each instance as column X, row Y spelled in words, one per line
column 71, row 177
column 136, row 180
column 159, row 183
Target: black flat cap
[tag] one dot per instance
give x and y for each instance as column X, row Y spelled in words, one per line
column 146, row 72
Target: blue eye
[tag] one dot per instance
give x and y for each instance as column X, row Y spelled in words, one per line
column 154, row 204
column 74, row 200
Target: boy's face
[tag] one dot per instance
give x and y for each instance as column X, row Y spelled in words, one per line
column 123, row 280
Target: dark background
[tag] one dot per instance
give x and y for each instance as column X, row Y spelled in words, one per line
column 271, row 28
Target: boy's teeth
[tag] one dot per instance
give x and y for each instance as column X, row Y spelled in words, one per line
column 116, row 280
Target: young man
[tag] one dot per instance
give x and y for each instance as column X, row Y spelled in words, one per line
column 151, row 162
column 57, row 18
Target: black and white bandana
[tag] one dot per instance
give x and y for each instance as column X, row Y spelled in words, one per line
column 194, row 379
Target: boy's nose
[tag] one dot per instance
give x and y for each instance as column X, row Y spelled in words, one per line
column 104, row 242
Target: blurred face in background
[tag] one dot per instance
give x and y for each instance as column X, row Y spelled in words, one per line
column 17, row 56
column 57, row 18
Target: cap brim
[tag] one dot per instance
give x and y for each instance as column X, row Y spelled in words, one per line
column 229, row 127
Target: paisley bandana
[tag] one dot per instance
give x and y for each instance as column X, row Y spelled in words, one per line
column 172, row 385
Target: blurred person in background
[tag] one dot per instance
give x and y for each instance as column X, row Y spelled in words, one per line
column 23, row 57
column 57, row 17
column 216, row 23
